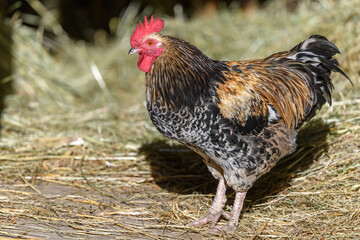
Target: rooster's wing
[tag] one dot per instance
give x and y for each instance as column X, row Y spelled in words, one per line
column 288, row 86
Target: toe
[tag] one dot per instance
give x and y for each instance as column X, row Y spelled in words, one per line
column 217, row 230
column 226, row 215
column 199, row 222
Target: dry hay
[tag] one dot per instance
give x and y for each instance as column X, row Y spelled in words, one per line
column 81, row 160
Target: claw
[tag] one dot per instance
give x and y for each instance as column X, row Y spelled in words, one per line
column 234, row 219
column 210, row 217
column 217, row 230
column 216, row 209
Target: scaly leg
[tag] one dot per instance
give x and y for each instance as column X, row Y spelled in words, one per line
column 216, row 209
column 235, row 214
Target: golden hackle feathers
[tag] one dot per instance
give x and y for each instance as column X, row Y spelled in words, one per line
column 180, row 74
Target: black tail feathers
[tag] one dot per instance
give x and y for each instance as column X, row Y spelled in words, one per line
column 317, row 52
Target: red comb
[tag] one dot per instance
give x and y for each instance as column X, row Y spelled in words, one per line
column 145, row 29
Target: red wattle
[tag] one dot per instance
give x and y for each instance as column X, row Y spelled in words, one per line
column 145, row 62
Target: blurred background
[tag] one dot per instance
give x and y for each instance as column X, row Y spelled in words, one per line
column 82, row 18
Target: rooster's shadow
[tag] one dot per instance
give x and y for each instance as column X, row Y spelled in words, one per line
column 178, row 169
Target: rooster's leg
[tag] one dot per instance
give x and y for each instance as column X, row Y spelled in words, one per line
column 216, row 209
column 234, row 219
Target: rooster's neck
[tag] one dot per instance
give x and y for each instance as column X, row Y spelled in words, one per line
column 180, row 76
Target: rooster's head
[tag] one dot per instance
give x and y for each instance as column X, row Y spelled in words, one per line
column 147, row 43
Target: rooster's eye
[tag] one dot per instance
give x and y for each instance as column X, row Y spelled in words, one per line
column 150, row 42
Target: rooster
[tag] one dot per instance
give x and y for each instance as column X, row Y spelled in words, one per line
column 242, row 117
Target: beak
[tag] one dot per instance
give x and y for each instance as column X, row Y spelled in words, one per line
column 133, row 50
